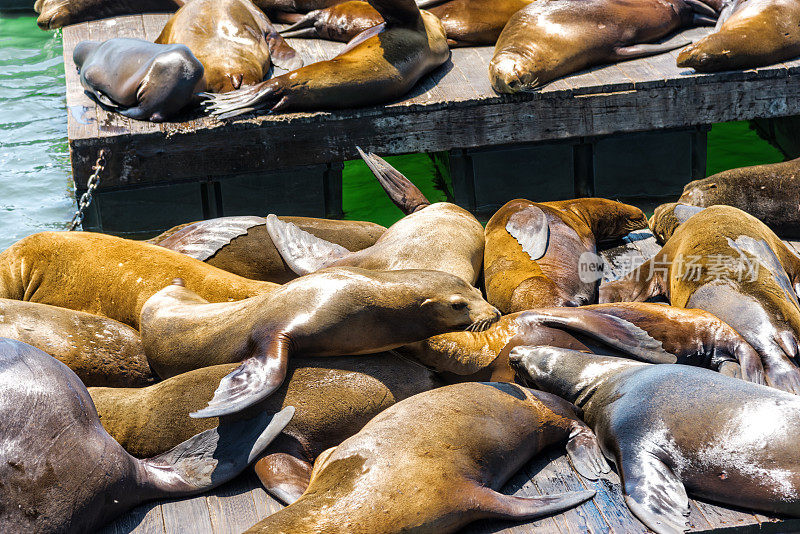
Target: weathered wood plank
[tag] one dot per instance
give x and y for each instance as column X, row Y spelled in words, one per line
column 232, row 507
column 144, row 519
column 180, row 513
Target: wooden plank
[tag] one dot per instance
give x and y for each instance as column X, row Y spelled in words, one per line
column 144, row 519
column 181, row 513
column 265, row 504
column 81, row 113
column 232, row 507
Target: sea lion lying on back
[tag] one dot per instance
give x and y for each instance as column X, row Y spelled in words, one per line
column 333, row 399
column 729, row 263
column 675, row 430
column 440, row 236
column 434, row 463
column 533, row 250
column 749, row 34
column 242, row 245
column 139, row 79
column 549, row 39
column 380, row 65
column 233, row 39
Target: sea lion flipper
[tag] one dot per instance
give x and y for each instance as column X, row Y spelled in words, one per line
column 203, row 239
column 281, row 54
column 215, row 456
column 397, row 12
column 403, row 193
column 502, row 506
column 284, row 475
column 530, row 228
column 655, row 494
column 303, row 252
column 585, row 454
column 647, row 49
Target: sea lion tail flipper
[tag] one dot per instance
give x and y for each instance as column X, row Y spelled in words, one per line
column 584, row 451
column 203, row 239
column 403, row 193
column 303, row 252
column 648, row 49
column 497, row 505
column 215, row 456
column 303, row 28
column 530, row 228
column 611, row 330
column 281, row 54
column 655, row 494
column 253, row 381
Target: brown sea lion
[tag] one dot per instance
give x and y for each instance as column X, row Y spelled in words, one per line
column 749, row 34
column 242, row 245
column 667, row 217
column 233, row 39
column 729, row 263
column 379, row 65
column 335, row 312
column 466, row 22
column 102, row 352
column 533, row 250
column 549, row 39
column 769, row 192
column 139, row 79
column 106, row 275
column 54, row 14
column 61, row 472
column 649, row 332
column 333, row 397
column 440, row 236
column 675, row 429
column 433, row 463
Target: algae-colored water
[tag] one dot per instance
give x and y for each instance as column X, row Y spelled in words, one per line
column 36, row 190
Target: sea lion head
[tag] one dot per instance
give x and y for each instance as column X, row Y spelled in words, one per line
column 668, row 217
column 511, row 73
column 712, row 53
column 82, row 51
column 456, row 304
column 53, row 14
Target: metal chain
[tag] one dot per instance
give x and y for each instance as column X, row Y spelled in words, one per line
column 91, row 185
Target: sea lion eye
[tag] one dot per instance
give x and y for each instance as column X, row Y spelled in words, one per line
column 459, row 305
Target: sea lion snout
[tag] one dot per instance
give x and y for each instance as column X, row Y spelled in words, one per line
column 506, row 77
column 530, row 363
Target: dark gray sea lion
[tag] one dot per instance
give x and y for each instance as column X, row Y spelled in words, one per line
column 61, row 472
column 434, row 463
column 139, row 79
column 675, row 430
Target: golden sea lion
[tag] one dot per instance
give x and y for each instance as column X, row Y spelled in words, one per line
column 729, row 263
column 533, row 250
column 54, row 14
column 667, row 217
column 106, row 275
column 379, row 65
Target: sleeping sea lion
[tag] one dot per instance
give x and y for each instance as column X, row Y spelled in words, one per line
column 335, row 312
column 769, row 192
column 729, row 263
column 106, row 275
column 233, row 39
column 102, row 352
column 139, row 79
column 667, row 217
column 61, row 472
column 749, row 34
column 414, row 242
column 333, row 397
column 242, row 245
column 380, row 65
column 549, row 39
column 674, row 429
column 533, row 250
column 648, row 332
column 55, row 14
column 433, row 463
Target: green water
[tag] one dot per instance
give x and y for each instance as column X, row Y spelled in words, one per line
column 36, row 190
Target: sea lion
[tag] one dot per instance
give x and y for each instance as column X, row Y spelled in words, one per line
column 102, row 352
column 333, row 397
column 233, row 39
column 729, row 263
column 334, row 312
column 62, row 472
column 667, row 217
column 466, row 22
column 433, row 463
column 769, row 192
column 380, row 65
column 414, row 242
column 242, row 245
column 106, row 275
column 749, row 34
column 648, row 332
column 549, row 39
column 139, row 79
column 533, row 250
column 674, row 429
column 55, row 14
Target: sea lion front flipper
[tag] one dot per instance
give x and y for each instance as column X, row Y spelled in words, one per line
column 253, row 381
column 303, row 252
column 654, row 493
column 497, row 505
column 281, row 54
column 530, row 228
column 647, row 49
column 397, row 12
column 203, row 239
column 584, row 452
column 215, row 456
column 401, row 191
column 284, row 475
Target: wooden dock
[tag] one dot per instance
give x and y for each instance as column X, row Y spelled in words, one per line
column 240, row 504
